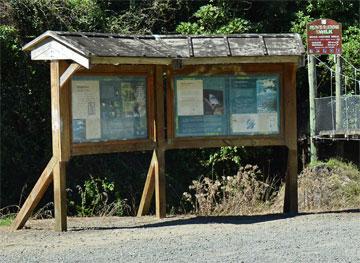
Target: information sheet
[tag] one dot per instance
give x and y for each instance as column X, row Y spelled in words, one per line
column 86, row 109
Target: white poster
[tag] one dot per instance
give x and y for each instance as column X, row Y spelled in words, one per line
column 189, row 97
column 264, row 123
column 244, row 123
column 86, row 105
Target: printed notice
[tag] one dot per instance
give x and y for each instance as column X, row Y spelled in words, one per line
column 189, row 97
column 86, row 107
column 264, row 123
column 244, row 123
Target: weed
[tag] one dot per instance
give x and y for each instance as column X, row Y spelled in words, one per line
column 94, row 197
column 247, row 192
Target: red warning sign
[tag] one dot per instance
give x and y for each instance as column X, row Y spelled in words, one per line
column 324, row 36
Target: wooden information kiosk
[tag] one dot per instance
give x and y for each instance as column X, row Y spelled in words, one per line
column 116, row 93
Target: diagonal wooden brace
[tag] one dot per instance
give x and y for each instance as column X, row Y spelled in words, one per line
column 149, row 188
column 35, row 196
column 68, row 73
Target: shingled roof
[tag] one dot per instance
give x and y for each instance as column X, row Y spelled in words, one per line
column 92, row 45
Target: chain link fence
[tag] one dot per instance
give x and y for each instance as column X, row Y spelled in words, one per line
column 346, row 121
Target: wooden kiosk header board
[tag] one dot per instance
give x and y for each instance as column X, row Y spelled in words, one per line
column 165, row 92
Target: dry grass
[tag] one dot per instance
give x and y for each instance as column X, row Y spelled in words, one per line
column 240, row 194
column 329, row 186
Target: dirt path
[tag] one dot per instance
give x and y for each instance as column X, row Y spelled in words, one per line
column 331, row 237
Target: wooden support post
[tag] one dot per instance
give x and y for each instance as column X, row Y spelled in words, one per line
column 35, row 195
column 60, row 196
column 60, row 116
column 148, row 188
column 312, row 96
column 156, row 174
column 291, row 187
column 338, row 107
column 160, row 185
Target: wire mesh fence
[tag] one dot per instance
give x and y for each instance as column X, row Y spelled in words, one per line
column 345, row 120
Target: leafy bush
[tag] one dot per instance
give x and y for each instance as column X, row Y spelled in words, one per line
column 247, row 192
column 212, row 19
column 94, row 195
column 329, row 185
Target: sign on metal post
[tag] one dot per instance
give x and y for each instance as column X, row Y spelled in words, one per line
column 324, row 37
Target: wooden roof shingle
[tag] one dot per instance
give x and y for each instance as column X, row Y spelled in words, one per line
column 171, row 46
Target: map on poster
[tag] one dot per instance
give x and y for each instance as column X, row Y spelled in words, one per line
column 231, row 105
column 108, row 108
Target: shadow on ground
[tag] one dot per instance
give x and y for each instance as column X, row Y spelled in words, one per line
column 235, row 220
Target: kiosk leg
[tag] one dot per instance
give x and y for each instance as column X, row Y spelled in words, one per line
column 160, row 185
column 291, row 187
column 59, row 174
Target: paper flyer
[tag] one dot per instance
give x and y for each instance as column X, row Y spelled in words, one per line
column 86, row 105
column 189, row 97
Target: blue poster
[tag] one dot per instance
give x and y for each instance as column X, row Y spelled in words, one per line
column 232, row 105
column 122, row 113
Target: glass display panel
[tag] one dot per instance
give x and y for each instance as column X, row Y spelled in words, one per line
column 227, row 105
column 108, row 108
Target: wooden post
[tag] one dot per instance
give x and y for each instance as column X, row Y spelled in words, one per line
column 291, row 187
column 160, row 183
column 156, row 174
column 60, row 117
column 312, row 96
column 338, row 108
column 160, row 186
column 60, row 196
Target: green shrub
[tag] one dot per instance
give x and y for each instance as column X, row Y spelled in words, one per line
column 94, row 196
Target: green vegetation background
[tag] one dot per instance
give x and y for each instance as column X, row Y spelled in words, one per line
column 25, row 92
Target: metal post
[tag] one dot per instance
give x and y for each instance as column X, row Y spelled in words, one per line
column 312, row 95
column 338, row 109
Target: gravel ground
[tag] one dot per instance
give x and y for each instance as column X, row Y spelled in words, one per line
column 329, row 237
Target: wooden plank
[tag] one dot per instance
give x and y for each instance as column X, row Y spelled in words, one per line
column 160, row 106
column 131, row 60
column 195, row 60
column 35, row 195
column 111, row 147
column 170, row 105
column 160, row 184
column 150, row 103
column 109, row 69
column 241, row 60
column 291, row 187
column 148, row 188
column 60, row 115
column 68, row 73
column 60, row 205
